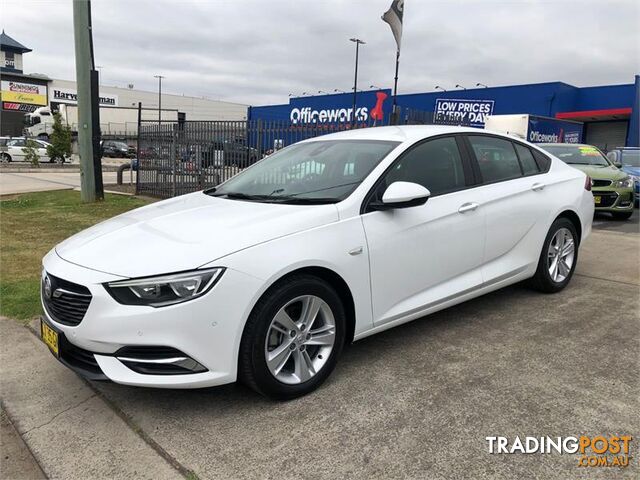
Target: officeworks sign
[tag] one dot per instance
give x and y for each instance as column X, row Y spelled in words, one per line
column 551, row 130
column 471, row 113
column 331, row 109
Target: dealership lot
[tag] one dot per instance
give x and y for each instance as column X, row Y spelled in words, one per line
column 416, row 401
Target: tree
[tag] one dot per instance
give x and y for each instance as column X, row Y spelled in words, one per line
column 31, row 152
column 60, row 140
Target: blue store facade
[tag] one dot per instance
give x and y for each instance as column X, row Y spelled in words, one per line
column 609, row 113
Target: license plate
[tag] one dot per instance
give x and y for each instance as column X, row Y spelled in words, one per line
column 50, row 337
column 596, row 199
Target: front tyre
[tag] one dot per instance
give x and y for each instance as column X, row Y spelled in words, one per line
column 558, row 258
column 293, row 338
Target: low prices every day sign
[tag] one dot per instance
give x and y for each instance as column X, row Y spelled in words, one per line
column 23, row 92
column 469, row 113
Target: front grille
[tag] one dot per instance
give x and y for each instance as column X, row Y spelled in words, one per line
column 606, row 198
column 600, row 183
column 79, row 359
column 66, row 302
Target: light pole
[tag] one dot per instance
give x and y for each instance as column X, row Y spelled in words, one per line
column 358, row 42
column 159, row 77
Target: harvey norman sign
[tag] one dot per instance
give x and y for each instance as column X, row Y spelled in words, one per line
column 66, row 95
column 471, row 113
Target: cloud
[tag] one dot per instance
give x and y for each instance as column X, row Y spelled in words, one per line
column 256, row 51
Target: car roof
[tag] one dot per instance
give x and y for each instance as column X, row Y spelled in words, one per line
column 559, row 144
column 398, row 133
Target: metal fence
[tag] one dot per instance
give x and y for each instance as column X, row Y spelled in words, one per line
column 181, row 157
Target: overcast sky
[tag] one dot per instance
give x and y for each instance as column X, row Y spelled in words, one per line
column 259, row 51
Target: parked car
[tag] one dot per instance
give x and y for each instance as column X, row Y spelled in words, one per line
column 628, row 160
column 612, row 189
column 266, row 277
column 117, row 149
column 12, row 150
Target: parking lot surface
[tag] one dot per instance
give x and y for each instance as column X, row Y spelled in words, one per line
column 418, row 401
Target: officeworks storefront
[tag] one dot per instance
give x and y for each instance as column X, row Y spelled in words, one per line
column 605, row 116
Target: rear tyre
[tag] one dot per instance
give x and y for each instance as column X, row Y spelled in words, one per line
column 293, row 338
column 558, row 258
column 622, row 215
column 5, row 158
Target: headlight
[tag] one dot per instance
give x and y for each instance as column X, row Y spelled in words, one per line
column 626, row 182
column 164, row 290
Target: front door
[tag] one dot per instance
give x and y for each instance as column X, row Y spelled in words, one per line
column 421, row 256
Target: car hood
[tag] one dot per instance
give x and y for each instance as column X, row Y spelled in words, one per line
column 632, row 170
column 186, row 232
column 601, row 173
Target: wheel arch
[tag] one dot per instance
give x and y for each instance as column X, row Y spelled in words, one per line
column 573, row 218
column 337, row 282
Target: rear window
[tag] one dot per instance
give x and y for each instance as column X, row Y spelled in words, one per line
column 529, row 164
column 496, row 158
column 630, row 158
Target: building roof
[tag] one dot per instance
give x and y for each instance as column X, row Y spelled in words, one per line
column 8, row 43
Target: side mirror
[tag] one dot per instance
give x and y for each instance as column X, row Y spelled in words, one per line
column 402, row 195
column 617, row 164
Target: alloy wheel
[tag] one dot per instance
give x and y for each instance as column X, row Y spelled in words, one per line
column 300, row 339
column 560, row 255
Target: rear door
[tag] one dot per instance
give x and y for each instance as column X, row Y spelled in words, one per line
column 14, row 149
column 421, row 256
column 515, row 201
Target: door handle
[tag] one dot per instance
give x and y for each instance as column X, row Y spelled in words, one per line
column 467, row 207
column 536, row 187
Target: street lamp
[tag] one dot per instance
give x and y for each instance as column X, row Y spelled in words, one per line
column 338, row 90
column 438, row 87
column 159, row 77
column 373, row 86
column 460, row 86
column 358, row 42
column 481, row 85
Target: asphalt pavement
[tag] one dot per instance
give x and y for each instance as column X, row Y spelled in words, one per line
column 417, row 401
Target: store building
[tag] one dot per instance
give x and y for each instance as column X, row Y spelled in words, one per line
column 609, row 113
column 23, row 93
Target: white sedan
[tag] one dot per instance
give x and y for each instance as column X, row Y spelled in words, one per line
column 13, row 150
column 265, row 278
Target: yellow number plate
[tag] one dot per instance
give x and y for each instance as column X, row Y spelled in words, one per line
column 50, row 337
column 597, row 199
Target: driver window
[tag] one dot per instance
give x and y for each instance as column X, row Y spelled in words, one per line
column 435, row 164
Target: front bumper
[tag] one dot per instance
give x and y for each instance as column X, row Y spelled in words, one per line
column 207, row 330
column 613, row 199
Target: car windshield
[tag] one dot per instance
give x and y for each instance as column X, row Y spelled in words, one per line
column 630, row 158
column 578, row 154
column 314, row 172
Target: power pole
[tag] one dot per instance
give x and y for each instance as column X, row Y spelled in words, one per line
column 358, row 42
column 159, row 77
column 88, row 120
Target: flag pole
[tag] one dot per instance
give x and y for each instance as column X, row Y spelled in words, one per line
column 395, row 89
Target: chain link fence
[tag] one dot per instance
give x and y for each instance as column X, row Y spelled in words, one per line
column 175, row 158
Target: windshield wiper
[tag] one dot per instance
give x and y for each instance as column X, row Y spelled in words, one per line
column 291, row 200
column 241, row 196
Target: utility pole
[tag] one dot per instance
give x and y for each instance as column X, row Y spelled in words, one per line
column 159, row 77
column 88, row 114
column 358, row 42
